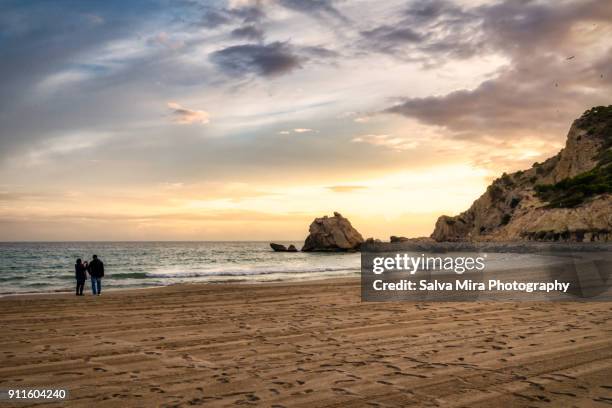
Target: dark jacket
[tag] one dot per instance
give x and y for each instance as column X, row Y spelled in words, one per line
column 96, row 268
column 79, row 272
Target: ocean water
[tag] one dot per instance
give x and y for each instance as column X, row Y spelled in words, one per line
column 49, row 266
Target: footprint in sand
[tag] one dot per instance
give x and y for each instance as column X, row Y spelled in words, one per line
column 342, row 391
column 343, row 381
column 537, row 385
column 569, row 394
column 603, row 399
column 283, row 384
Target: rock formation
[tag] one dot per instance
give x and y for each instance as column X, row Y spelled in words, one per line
column 278, row 247
column 282, row 248
column 332, row 234
column 567, row 197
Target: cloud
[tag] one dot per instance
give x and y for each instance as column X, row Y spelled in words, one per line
column 172, row 186
column 390, row 142
column 357, row 117
column 297, row 130
column 267, row 60
column 316, row 8
column 429, row 32
column 163, row 39
column 250, row 32
column 251, row 13
column 217, row 17
column 94, row 19
column 82, row 143
column 345, row 189
column 318, row 52
column 389, row 38
column 186, row 116
column 540, row 90
column 9, row 197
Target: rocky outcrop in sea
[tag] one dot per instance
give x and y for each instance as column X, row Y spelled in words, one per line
column 332, row 234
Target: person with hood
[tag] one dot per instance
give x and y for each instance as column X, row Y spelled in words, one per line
column 96, row 271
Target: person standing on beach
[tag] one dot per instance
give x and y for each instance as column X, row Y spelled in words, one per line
column 96, row 271
column 81, row 276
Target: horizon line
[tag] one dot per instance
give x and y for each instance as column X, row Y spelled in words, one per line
column 103, row 241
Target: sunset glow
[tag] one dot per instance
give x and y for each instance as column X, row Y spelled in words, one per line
column 245, row 120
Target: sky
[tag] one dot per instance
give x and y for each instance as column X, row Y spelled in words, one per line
column 244, row 120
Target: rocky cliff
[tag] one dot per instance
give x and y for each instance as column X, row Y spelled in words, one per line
column 567, row 197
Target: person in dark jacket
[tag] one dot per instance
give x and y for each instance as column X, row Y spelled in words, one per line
column 80, row 275
column 96, row 271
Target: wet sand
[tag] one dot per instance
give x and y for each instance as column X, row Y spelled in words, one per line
column 303, row 345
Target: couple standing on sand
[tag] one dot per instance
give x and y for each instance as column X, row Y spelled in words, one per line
column 96, row 272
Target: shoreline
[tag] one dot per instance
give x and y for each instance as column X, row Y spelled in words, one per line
column 70, row 293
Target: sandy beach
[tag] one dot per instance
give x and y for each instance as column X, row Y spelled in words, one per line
column 308, row 344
